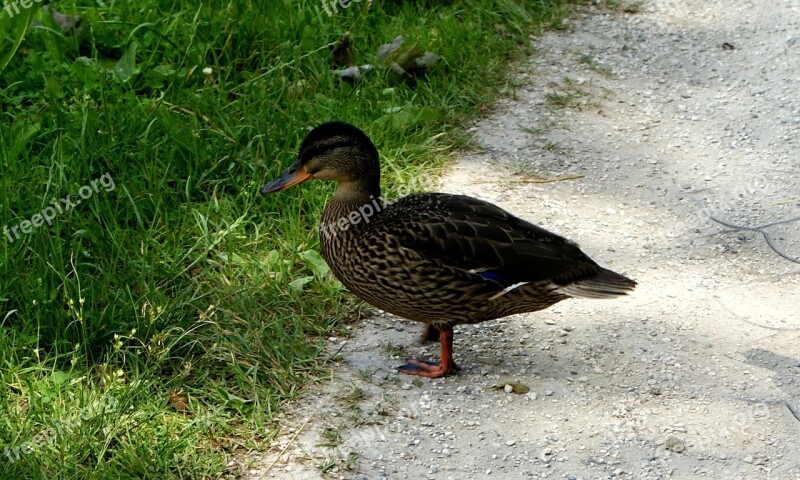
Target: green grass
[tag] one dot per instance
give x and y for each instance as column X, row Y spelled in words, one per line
column 590, row 61
column 154, row 330
column 626, row 7
column 569, row 94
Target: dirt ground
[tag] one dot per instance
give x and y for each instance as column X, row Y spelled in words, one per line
column 654, row 128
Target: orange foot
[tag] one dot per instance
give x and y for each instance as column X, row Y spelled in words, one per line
column 434, row 369
column 427, row 369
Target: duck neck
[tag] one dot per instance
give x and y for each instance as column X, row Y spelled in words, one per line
column 356, row 193
column 352, row 206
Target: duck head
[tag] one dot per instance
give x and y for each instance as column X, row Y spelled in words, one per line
column 334, row 151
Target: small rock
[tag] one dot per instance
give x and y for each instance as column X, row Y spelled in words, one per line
column 748, row 459
column 674, row 444
column 547, row 393
column 655, row 390
column 511, row 443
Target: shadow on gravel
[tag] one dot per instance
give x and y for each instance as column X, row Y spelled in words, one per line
column 787, row 375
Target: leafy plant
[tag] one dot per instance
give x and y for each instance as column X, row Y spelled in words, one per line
column 14, row 23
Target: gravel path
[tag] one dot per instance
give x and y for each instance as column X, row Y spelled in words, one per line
column 682, row 112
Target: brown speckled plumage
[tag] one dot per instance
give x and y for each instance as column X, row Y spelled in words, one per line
column 436, row 258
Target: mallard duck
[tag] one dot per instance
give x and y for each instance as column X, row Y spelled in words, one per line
column 435, row 258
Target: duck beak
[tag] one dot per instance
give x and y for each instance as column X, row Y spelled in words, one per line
column 291, row 176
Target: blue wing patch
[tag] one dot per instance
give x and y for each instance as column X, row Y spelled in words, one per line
column 494, row 276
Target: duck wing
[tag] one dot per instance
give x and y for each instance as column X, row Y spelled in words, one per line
column 469, row 234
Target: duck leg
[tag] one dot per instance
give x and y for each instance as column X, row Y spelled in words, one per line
column 434, row 369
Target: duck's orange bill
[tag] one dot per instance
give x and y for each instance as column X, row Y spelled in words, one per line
column 292, row 176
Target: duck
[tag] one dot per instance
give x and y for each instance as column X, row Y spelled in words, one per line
column 437, row 258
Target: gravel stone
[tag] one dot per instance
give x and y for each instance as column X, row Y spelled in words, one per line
column 674, row 444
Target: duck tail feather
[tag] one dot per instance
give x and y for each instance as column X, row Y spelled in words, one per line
column 606, row 284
